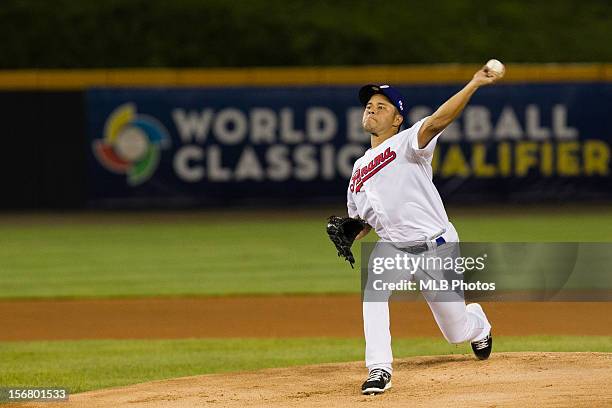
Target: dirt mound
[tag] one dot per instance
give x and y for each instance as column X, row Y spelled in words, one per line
column 507, row 379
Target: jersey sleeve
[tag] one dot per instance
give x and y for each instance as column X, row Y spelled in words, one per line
column 412, row 147
column 350, row 198
column 350, row 204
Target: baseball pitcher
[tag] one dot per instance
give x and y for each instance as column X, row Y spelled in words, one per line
column 391, row 190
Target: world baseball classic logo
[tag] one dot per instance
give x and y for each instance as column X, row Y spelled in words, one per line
column 132, row 144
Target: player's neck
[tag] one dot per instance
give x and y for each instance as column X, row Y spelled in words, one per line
column 377, row 139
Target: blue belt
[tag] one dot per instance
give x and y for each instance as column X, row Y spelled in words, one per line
column 440, row 241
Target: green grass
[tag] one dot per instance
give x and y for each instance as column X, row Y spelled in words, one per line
column 123, row 257
column 93, row 364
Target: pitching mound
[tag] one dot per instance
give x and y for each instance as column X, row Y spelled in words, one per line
column 507, row 379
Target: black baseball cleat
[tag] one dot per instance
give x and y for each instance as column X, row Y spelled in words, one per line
column 378, row 381
column 482, row 348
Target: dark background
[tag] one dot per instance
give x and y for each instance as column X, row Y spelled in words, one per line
column 42, row 159
column 240, row 33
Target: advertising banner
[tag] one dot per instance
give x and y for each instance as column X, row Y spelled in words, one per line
column 286, row 145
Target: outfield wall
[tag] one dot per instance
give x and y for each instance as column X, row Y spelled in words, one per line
column 43, row 154
column 185, row 138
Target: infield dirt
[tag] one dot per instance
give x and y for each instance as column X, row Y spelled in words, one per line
column 272, row 316
column 505, row 380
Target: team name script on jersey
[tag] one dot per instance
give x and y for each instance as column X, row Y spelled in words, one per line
column 363, row 174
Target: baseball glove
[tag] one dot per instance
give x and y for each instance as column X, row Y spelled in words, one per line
column 342, row 232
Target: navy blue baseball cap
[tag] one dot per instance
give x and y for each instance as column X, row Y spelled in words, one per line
column 396, row 98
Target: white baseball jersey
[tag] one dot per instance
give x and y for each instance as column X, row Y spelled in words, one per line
column 391, row 188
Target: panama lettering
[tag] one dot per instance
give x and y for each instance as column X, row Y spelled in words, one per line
column 364, row 173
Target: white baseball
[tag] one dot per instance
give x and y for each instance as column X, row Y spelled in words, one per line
column 496, row 66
